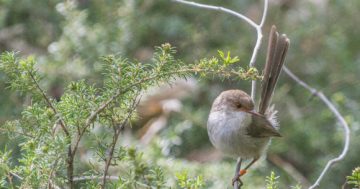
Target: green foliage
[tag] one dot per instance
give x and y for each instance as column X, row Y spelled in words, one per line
column 298, row 186
column 137, row 173
column 184, row 181
column 222, row 67
column 21, row 72
column 228, row 60
column 51, row 131
column 68, row 37
column 272, row 181
column 5, row 167
column 354, row 178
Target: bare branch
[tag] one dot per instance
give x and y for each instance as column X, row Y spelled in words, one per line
column 221, row 9
column 95, row 178
column 257, row 46
column 266, row 5
column 338, row 116
column 258, row 28
column 15, row 175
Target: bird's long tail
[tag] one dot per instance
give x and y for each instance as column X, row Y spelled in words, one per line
column 276, row 52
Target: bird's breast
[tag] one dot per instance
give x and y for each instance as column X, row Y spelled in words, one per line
column 228, row 133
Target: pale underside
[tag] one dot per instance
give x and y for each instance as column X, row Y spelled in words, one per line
column 231, row 136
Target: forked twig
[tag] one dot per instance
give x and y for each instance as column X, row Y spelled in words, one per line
column 258, row 28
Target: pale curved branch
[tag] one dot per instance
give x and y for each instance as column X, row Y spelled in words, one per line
column 266, row 5
column 258, row 28
column 221, row 9
column 338, row 116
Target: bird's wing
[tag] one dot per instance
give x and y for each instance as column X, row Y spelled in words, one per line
column 261, row 127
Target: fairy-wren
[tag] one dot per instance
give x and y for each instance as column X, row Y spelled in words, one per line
column 234, row 126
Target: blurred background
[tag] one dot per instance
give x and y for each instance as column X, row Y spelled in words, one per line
column 69, row 37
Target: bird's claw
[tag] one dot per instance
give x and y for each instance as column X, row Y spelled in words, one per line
column 237, row 178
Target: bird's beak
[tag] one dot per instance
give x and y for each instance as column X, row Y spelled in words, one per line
column 254, row 113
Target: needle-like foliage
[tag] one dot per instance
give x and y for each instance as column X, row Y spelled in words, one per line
column 52, row 132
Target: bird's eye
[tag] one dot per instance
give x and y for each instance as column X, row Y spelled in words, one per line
column 239, row 106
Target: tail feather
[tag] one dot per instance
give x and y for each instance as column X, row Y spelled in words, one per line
column 277, row 49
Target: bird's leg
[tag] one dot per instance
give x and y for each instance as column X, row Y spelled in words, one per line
column 236, row 178
column 243, row 171
column 240, row 172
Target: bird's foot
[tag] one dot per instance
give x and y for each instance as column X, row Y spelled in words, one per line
column 237, row 177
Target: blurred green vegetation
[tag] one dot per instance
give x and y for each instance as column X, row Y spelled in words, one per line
column 68, row 39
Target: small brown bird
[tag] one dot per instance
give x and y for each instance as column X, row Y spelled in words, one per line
column 234, row 127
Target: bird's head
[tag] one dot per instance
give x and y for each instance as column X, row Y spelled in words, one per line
column 233, row 100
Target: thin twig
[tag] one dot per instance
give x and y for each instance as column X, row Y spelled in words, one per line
column 221, row 9
column 70, row 160
column 115, row 139
column 338, row 116
column 49, row 103
column 17, row 132
column 53, row 186
column 266, row 5
column 257, row 47
column 95, row 178
column 50, row 182
column 9, row 177
column 257, row 27
column 16, row 175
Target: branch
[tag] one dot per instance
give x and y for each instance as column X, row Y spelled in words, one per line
column 220, row 9
column 50, row 182
column 257, row 46
column 15, row 175
column 95, row 178
column 49, row 103
column 18, row 132
column 258, row 28
column 116, row 137
column 338, row 116
column 70, row 160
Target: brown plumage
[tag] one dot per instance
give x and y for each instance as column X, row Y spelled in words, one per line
column 234, row 127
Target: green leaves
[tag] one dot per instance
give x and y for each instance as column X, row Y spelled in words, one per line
column 185, row 182
column 223, row 68
column 227, row 60
column 4, row 167
column 272, row 181
column 354, row 178
column 19, row 72
column 110, row 106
